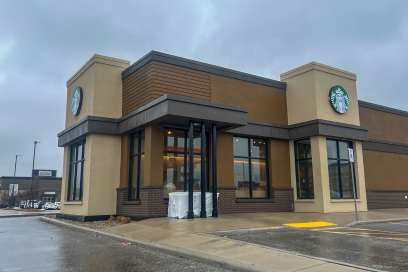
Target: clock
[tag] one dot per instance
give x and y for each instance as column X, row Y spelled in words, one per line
column 339, row 99
column 76, row 101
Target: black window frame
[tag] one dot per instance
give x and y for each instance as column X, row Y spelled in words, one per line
column 339, row 160
column 135, row 194
column 249, row 158
column 297, row 160
column 74, row 162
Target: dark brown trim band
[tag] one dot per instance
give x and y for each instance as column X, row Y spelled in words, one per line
column 384, row 146
column 90, row 125
column 200, row 66
column 382, row 108
column 262, row 130
column 326, row 128
column 302, row 130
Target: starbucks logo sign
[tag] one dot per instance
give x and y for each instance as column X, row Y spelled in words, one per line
column 339, row 99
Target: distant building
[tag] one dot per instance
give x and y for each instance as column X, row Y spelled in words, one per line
column 46, row 186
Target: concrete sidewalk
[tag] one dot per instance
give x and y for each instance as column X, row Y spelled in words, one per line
column 195, row 236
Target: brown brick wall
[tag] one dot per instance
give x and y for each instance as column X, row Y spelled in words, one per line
column 282, row 201
column 153, row 204
column 387, row 199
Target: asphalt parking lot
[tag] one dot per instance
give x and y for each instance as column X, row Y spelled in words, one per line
column 382, row 246
column 28, row 244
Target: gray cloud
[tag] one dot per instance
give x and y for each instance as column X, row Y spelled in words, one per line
column 43, row 42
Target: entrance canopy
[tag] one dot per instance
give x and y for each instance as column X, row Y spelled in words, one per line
column 167, row 109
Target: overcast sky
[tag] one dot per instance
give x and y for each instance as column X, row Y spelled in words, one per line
column 42, row 43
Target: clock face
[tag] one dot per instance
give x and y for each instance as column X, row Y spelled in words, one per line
column 76, row 101
column 339, row 99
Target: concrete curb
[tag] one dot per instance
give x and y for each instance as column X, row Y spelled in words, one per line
column 174, row 251
column 376, row 221
column 25, row 215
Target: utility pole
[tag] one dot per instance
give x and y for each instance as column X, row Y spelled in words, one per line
column 15, row 164
column 32, row 171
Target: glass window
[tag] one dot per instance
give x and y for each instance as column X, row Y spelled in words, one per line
column 76, row 168
column 175, row 160
column 241, row 147
column 340, row 175
column 136, row 164
column 241, row 177
column 258, row 148
column 304, row 170
column 250, row 168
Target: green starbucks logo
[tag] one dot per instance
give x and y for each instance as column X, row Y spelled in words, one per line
column 339, row 99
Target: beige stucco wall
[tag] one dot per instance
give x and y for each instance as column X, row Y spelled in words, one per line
column 101, row 177
column 307, row 94
column 100, row 79
column 104, row 174
column 307, row 99
column 322, row 201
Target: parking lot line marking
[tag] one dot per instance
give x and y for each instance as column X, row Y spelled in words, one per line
column 398, row 223
column 309, row 225
column 368, row 233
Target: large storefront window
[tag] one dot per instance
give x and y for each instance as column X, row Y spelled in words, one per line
column 340, row 176
column 250, row 168
column 76, row 167
column 136, row 164
column 304, row 170
column 175, row 160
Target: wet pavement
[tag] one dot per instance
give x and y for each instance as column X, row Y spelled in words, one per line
column 382, row 246
column 28, row 244
column 395, row 226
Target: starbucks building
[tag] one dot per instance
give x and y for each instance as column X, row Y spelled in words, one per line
column 137, row 133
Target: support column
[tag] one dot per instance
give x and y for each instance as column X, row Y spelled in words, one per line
column 214, row 170
column 190, row 213
column 203, row 213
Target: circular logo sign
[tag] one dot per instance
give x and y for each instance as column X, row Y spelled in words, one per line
column 339, row 99
column 76, row 101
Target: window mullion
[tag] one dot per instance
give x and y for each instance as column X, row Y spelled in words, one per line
column 339, row 169
column 75, row 172
column 130, row 167
column 138, row 157
column 250, row 168
column 82, row 171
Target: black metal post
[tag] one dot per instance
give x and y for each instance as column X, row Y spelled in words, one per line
column 203, row 213
column 214, row 170
column 190, row 213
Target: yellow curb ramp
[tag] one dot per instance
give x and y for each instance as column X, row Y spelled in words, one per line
column 310, row 225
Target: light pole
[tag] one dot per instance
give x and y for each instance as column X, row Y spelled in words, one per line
column 15, row 164
column 32, row 171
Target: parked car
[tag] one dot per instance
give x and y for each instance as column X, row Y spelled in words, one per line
column 58, row 205
column 50, row 206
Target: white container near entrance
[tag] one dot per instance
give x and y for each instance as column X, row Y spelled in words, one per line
column 178, row 204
